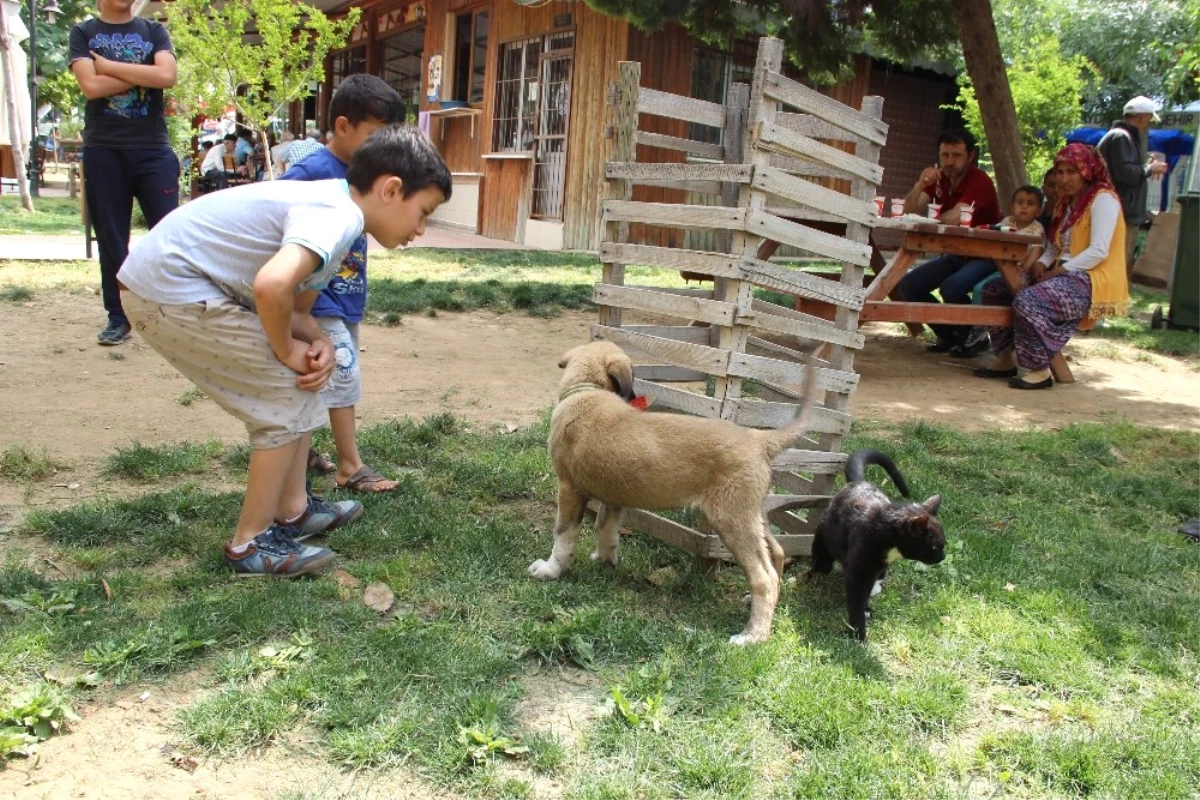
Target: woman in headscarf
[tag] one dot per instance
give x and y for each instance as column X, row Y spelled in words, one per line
column 1078, row 280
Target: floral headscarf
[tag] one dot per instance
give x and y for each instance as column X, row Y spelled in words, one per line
column 1091, row 166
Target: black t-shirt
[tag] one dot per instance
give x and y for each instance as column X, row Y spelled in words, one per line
column 133, row 120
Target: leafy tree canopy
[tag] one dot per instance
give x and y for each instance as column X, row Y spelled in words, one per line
column 821, row 36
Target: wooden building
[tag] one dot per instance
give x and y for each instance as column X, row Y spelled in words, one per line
column 513, row 92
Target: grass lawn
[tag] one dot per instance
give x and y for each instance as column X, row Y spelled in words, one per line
column 52, row 216
column 1053, row 653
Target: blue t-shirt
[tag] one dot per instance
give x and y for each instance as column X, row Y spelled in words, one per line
column 346, row 294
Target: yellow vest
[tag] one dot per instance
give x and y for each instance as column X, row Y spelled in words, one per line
column 1110, row 286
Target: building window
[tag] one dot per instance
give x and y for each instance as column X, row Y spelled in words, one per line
column 347, row 62
column 713, row 72
column 400, row 60
column 533, row 109
column 470, row 55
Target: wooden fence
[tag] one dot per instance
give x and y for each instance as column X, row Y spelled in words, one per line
column 731, row 355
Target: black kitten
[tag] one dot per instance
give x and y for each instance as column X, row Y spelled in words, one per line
column 866, row 531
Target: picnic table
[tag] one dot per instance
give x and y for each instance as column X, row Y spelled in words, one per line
column 922, row 237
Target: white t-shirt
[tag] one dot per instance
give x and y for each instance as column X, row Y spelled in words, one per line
column 214, row 158
column 215, row 245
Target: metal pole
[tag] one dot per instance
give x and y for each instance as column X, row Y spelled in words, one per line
column 33, row 121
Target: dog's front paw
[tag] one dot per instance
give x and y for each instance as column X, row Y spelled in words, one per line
column 608, row 558
column 744, row 638
column 545, row 570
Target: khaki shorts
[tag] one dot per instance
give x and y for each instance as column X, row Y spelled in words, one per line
column 221, row 347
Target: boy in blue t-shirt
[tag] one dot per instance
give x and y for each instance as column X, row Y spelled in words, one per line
column 361, row 105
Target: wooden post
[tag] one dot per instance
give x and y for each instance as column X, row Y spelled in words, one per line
column 734, row 141
column 623, row 129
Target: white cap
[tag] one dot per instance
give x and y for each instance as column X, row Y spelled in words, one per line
column 1142, row 105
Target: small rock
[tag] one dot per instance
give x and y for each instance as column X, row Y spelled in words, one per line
column 510, row 428
column 144, row 696
column 72, row 485
column 661, row 577
column 378, row 597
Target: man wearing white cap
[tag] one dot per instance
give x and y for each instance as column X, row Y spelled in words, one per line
column 1124, row 150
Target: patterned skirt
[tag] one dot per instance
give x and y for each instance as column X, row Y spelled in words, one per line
column 1045, row 316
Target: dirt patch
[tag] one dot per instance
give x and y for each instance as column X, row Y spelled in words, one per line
column 81, row 764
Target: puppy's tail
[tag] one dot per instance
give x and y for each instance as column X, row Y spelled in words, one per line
column 857, row 463
column 776, row 441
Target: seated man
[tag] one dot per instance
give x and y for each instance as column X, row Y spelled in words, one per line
column 954, row 183
column 213, row 166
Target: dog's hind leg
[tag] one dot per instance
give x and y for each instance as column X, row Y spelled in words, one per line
column 571, row 506
column 774, row 549
column 744, row 538
column 608, row 533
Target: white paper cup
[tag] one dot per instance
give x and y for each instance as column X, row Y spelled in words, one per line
column 965, row 215
column 897, row 207
column 879, row 201
column 934, row 211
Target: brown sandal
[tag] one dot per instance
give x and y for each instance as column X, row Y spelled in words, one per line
column 364, row 482
column 319, row 464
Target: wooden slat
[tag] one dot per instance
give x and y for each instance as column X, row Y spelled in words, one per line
column 800, row 167
column 640, row 173
column 807, row 193
column 674, row 215
column 716, row 264
column 778, row 502
column 656, row 302
column 793, row 281
column 664, row 397
column 703, row 149
column 677, row 333
column 803, row 214
column 692, row 187
column 775, row 371
column 818, row 329
column 664, row 373
column 793, row 545
column 792, row 482
column 673, row 106
column 666, row 530
column 780, row 230
column 816, row 461
column 808, row 125
column 776, row 350
column 781, row 140
column 813, row 102
column 943, row 313
column 682, row 354
column 754, row 413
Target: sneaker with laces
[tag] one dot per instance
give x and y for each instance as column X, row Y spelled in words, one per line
column 322, row 516
column 975, row 343
column 117, row 331
column 275, row 552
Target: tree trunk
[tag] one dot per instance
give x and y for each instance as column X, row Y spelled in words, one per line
column 985, row 66
column 15, row 126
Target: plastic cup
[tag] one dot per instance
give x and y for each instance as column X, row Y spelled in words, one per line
column 965, row 215
column 935, row 210
column 897, row 207
column 879, row 201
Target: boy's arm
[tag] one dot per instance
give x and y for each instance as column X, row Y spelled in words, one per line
column 275, row 296
column 96, row 86
column 306, row 329
column 159, row 75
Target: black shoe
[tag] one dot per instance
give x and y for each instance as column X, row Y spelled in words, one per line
column 1017, row 383
column 988, row 372
column 941, row 346
column 116, row 332
column 969, row 350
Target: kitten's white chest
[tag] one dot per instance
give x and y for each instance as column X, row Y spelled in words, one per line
column 893, row 556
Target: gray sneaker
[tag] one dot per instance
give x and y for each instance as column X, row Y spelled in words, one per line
column 275, row 552
column 114, row 333
column 321, row 516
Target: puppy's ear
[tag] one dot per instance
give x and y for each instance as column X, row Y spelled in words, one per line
column 933, row 504
column 567, row 356
column 620, row 376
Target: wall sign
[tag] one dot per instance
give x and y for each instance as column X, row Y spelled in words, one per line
column 433, row 89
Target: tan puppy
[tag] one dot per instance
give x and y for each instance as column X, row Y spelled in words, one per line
column 603, row 448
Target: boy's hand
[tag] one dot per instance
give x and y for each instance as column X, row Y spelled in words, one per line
column 101, row 63
column 320, row 364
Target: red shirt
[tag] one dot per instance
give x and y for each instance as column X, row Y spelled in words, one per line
column 975, row 187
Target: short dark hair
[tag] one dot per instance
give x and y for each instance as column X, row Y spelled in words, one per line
column 957, row 136
column 359, row 98
column 1036, row 191
column 1048, row 174
column 403, row 151
column 230, row 137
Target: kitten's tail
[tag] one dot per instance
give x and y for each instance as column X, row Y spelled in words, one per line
column 776, row 441
column 857, row 463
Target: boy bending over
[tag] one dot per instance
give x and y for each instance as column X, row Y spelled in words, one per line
column 223, row 289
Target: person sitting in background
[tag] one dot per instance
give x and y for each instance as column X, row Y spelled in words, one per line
column 1050, row 193
column 279, row 152
column 303, row 148
column 244, row 148
column 1079, row 279
column 213, row 166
